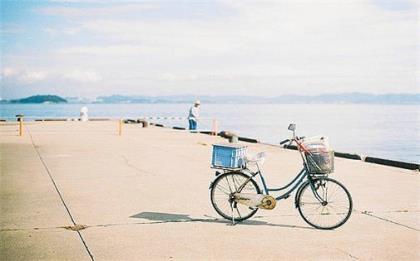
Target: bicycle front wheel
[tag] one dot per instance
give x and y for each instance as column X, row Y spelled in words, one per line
column 221, row 195
column 324, row 203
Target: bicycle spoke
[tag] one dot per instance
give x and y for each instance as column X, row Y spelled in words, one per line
column 334, row 192
column 224, row 190
column 230, row 188
column 235, row 183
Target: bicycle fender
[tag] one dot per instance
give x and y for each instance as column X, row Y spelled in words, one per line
column 218, row 175
column 298, row 192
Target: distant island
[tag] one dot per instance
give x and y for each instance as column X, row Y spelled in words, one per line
column 40, row 99
column 340, row 98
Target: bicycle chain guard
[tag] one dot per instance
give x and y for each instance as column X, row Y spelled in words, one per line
column 255, row 200
column 268, row 203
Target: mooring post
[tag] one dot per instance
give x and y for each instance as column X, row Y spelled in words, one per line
column 20, row 120
column 214, row 128
column 120, row 123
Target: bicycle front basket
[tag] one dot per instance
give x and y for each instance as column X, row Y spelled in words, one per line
column 320, row 162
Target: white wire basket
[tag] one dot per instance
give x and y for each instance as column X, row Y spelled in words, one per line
column 320, row 162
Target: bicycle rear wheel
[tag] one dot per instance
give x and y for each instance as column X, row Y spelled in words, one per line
column 325, row 205
column 221, row 196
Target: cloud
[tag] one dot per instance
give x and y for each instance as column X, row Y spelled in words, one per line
column 34, row 76
column 61, row 31
column 266, row 48
column 97, row 1
column 109, row 10
column 8, row 72
column 31, row 76
column 109, row 50
column 178, row 77
column 82, row 76
column 10, row 28
column 280, row 30
column 23, row 76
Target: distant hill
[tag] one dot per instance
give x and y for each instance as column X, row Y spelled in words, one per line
column 40, row 99
column 341, row 98
column 337, row 98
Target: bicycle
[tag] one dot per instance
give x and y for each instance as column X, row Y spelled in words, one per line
column 322, row 202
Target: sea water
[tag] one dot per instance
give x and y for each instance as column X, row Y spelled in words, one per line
column 385, row 131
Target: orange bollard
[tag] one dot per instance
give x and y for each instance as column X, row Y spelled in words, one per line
column 21, row 126
column 20, row 120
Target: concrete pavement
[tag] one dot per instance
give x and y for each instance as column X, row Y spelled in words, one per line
column 144, row 196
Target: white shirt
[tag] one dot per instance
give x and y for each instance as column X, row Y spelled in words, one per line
column 194, row 113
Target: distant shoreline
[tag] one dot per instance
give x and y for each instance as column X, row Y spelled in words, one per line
column 341, row 98
column 216, row 103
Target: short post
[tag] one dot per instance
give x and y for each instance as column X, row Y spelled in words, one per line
column 20, row 120
column 214, row 129
column 120, row 123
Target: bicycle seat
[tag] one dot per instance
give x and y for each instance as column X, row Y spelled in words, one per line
column 257, row 158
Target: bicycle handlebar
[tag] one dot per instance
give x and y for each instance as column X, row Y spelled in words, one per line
column 290, row 140
column 283, row 142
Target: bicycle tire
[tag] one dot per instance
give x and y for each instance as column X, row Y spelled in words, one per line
column 338, row 210
column 220, row 196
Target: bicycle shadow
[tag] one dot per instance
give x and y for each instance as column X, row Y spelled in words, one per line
column 159, row 217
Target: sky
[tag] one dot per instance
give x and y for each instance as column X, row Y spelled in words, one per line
column 265, row 48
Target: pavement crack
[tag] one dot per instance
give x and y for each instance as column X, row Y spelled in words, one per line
column 59, row 193
column 81, row 227
column 204, row 220
column 349, row 254
column 135, row 167
column 77, row 227
column 370, row 213
column 390, row 211
column 155, row 222
column 27, row 229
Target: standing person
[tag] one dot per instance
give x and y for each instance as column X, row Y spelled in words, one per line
column 194, row 115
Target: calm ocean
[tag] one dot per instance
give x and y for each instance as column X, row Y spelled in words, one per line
column 386, row 131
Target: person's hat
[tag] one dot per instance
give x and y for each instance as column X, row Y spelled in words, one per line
column 197, row 102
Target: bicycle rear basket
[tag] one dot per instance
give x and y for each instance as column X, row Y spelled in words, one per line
column 228, row 156
column 320, row 162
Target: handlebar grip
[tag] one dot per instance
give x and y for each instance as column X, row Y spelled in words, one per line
column 283, row 142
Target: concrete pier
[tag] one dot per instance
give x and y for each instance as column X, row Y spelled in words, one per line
column 81, row 191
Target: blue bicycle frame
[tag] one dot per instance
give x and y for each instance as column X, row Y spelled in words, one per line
column 290, row 187
column 294, row 184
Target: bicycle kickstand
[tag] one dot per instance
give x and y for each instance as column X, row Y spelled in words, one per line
column 233, row 216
